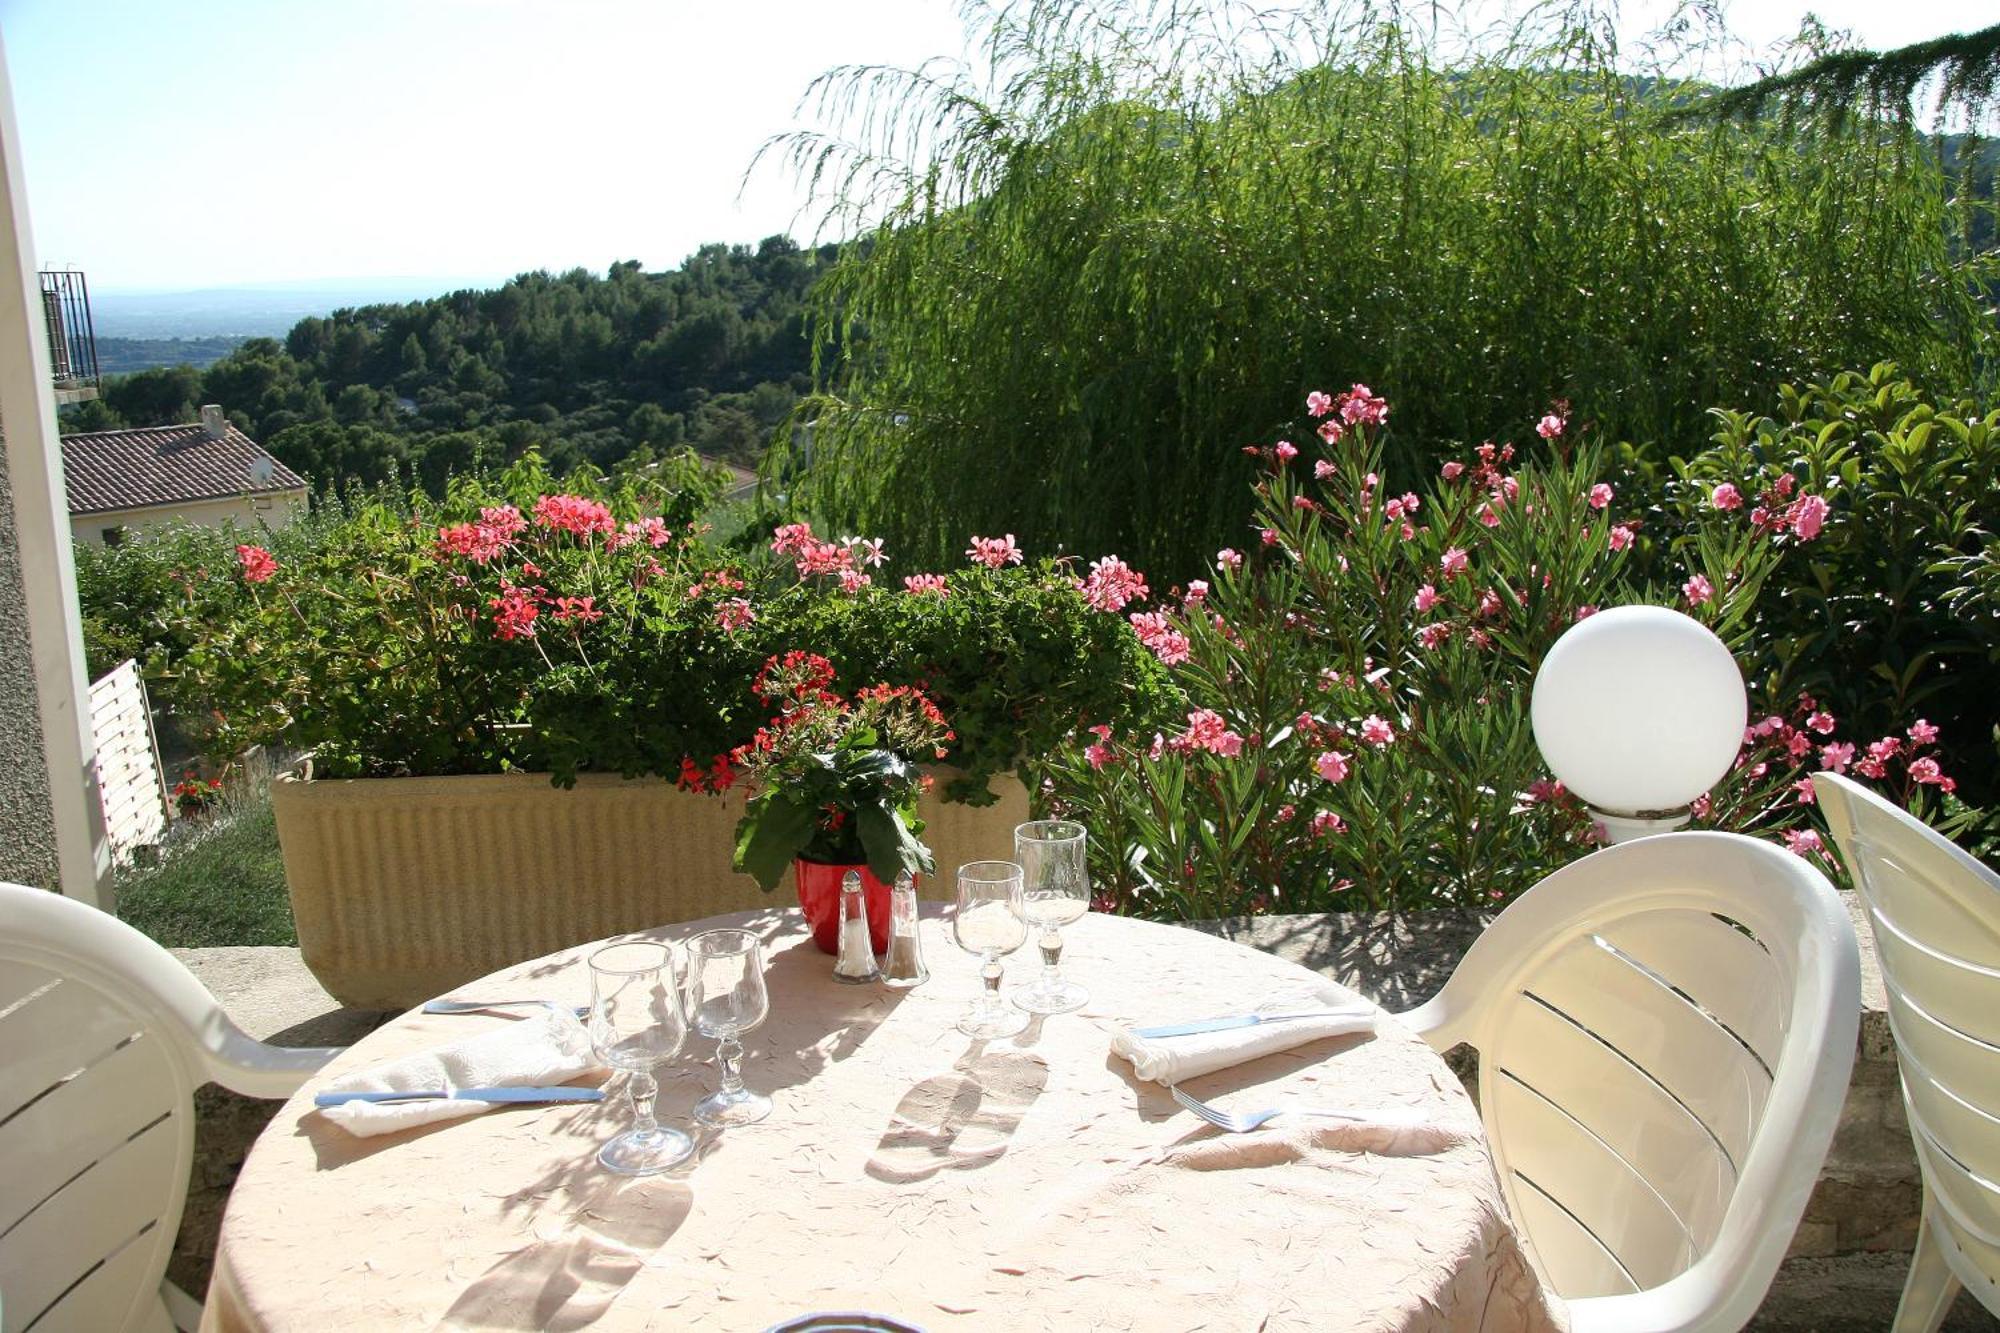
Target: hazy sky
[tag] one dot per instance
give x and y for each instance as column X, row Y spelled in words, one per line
column 210, row 142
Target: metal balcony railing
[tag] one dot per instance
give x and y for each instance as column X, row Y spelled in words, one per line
column 72, row 336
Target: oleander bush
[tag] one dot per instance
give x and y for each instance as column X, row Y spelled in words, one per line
column 526, row 624
column 1349, row 726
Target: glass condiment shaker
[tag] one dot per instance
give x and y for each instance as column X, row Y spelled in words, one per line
column 856, row 962
column 904, row 966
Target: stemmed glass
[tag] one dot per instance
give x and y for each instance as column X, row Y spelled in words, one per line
column 990, row 923
column 637, row 1025
column 1055, row 890
column 726, row 998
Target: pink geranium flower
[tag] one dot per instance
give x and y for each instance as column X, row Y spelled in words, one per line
column 735, row 614
column 258, row 564
column 994, row 552
column 575, row 514
column 1111, row 584
column 926, row 584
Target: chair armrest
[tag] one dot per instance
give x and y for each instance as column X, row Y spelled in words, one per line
column 243, row 1064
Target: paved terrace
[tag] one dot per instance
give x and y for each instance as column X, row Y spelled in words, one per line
column 1848, row 1258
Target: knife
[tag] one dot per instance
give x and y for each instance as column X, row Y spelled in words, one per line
column 1234, row 1021
column 466, row 1095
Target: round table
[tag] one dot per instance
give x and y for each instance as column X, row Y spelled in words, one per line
column 1026, row 1182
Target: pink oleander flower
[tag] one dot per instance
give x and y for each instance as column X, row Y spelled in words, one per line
column 1324, row 470
column 1452, row 471
column 1621, row 537
column 1543, row 790
column 1803, row 793
column 1697, row 590
column 258, row 564
column 1098, row 755
column 1803, row 842
column 1799, row 745
column 575, row 514
column 1585, row 612
column 1377, row 731
column 1111, row 584
column 853, row 580
column 1360, row 406
column 1453, row 562
column 930, row 584
column 1821, row 722
column 1286, row 451
column 1426, row 598
column 1870, row 767
column 1331, row 431
column 1550, row 426
column 1886, row 748
column 1488, row 516
column 735, row 614
column 1925, row 770
column 1431, row 635
column 1331, row 765
column 1807, row 516
column 1197, row 592
column 994, row 552
column 1726, row 496
column 1836, row 757
column 1207, row 731
column 1318, row 404
column 1600, row 496
column 1228, row 559
column 1326, row 823
column 1922, row 733
column 1269, row 536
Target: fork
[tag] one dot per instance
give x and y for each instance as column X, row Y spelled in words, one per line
column 1399, row 1117
column 481, row 1006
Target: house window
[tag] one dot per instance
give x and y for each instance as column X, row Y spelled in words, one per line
column 114, row 536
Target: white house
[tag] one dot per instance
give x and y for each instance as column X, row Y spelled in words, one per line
column 207, row 474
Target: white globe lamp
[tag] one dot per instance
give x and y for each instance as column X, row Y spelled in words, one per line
column 1639, row 710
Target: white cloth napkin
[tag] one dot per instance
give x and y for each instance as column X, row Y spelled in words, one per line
column 536, row 1052
column 1171, row 1059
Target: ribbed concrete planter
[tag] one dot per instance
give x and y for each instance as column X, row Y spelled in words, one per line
column 405, row 887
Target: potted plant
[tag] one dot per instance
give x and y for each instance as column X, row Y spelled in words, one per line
column 836, row 786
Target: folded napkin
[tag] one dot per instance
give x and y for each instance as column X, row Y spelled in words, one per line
column 1171, row 1059
column 536, row 1052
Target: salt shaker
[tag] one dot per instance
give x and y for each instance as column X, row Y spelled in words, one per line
column 856, row 964
column 904, row 967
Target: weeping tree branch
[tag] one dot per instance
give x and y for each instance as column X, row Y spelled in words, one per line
column 1871, row 82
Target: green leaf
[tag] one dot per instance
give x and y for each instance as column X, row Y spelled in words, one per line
column 772, row 832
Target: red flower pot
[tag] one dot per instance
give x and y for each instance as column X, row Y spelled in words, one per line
column 819, row 899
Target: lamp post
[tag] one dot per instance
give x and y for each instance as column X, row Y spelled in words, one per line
column 1639, row 710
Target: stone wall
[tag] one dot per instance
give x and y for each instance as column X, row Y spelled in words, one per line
column 27, row 816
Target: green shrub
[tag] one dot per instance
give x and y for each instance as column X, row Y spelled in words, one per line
column 1101, row 269
column 522, row 626
column 1888, row 615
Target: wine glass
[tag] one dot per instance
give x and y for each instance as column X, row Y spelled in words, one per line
column 989, row 922
column 1055, row 890
column 726, row 998
column 637, row 1025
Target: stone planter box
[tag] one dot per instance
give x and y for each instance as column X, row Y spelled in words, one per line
column 403, row 888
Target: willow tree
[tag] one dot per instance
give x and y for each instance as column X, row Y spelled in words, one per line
column 1089, row 265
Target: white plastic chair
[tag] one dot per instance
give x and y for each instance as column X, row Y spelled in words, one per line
column 103, row 1039
column 1665, row 1031
column 1935, row 912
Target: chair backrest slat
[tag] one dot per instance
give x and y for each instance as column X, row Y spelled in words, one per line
column 62, row 1029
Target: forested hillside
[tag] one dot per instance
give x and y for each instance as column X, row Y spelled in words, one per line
column 604, row 370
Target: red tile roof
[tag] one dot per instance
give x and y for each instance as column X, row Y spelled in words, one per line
column 164, row 465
